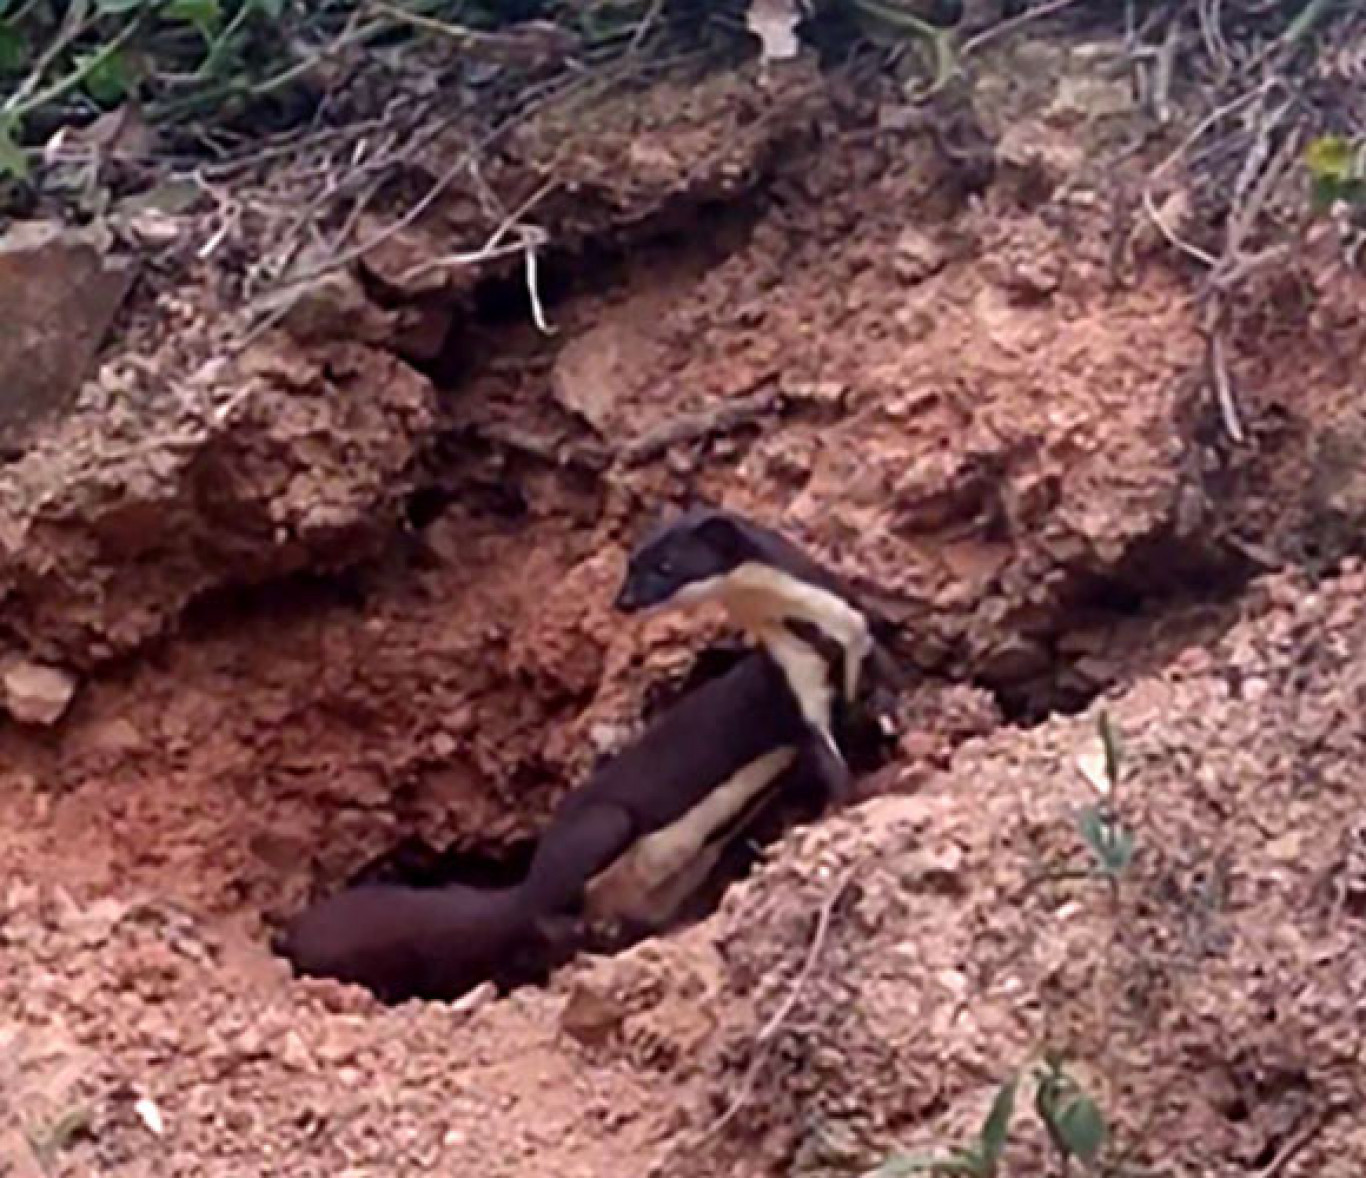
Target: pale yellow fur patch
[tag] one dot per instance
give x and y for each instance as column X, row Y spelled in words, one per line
column 759, row 597
column 658, row 872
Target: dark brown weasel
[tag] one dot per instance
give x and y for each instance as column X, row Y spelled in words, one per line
column 782, row 598
column 644, row 889
column 630, row 844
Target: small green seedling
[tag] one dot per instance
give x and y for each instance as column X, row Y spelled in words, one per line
column 1109, row 842
column 981, row 1159
column 1073, row 1121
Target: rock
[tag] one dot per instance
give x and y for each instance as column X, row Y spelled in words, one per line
column 917, row 256
column 589, row 1016
column 478, row 998
column 332, row 306
column 935, row 870
column 117, row 737
column 1031, row 263
column 1338, row 486
column 1014, row 659
column 1084, row 98
column 37, row 694
column 59, row 294
column 294, row 1052
column 595, row 371
column 608, row 738
column 1035, row 161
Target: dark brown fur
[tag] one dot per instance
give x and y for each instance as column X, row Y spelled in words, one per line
column 687, row 752
column 436, row 943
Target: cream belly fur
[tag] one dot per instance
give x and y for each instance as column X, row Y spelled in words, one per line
column 650, row 881
column 758, row 597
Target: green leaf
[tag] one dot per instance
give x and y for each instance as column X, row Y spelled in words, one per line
column 203, row 14
column 1330, row 157
column 14, row 49
column 118, row 7
column 1109, row 843
column 997, row 1124
column 1322, row 193
column 1119, row 851
column 1081, row 1128
column 274, row 9
column 109, row 80
column 1114, row 747
column 1091, row 825
column 13, row 161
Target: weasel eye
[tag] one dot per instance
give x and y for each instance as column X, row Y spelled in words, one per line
column 665, row 567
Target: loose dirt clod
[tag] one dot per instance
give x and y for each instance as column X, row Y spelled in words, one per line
column 35, row 694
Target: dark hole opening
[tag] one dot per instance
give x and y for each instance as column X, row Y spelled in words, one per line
column 1162, row 594
column 415, row 863
column 499, row 306
column 1237, row 1110
column 426, row 505
column 298, row 595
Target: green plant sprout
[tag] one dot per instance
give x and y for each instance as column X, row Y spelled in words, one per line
column 980, row 1159
column 1071, row 1118
column 1110, row 843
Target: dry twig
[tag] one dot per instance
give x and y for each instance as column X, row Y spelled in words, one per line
column 1001, row 28
column 780, row 1016
column 495, row 246
column 1312, row 1127
column 691, row 427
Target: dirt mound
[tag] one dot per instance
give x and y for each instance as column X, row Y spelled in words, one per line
column 902, row 959
column 127, row 512
column 892, row 967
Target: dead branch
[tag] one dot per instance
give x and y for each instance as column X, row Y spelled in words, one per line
column 1313, row 1126
column 558, row 451
column 1001, row 28
column 495, row 246
column 706, row 423
column 780, row 1016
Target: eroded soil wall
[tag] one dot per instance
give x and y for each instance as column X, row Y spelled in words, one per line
column 355, row 595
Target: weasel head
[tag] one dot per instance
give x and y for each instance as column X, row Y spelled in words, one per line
column 683, row 561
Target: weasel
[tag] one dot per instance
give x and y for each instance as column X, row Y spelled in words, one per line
column 773, row 591
column 630, row 845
